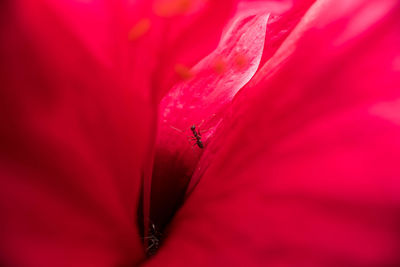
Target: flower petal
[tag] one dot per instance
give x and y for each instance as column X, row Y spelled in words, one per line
column 203, row 97
column 73, row 134
column 306, row 165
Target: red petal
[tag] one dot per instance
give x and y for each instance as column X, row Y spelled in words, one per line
column 196, row 34
column 73, row 134
column 306, row 170
column 203, row 98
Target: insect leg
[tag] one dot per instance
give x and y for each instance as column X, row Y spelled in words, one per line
column 204, row 130
column 176, row 129
column 191, row 138
column 201, row 123
column 149, row 247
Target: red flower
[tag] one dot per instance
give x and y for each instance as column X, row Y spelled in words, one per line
column 296, row 102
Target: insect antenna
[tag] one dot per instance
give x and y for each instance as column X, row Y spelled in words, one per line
column 176, row 129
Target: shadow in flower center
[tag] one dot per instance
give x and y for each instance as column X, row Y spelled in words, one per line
column 176, row 157
column 192, row 111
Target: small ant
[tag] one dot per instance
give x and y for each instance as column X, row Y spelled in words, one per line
column 196, row 134
column 197, row 137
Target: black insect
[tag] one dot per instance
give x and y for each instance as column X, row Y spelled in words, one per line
column 153, row 240
column 197, row 137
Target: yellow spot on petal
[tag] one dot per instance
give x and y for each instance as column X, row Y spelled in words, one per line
column 219, row 66
column 184, row 72
column 241, row 60
column 170, row 8
column 139, row 29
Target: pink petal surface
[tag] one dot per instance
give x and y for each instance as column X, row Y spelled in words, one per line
column 181, row 46
column 201, row 101
column 303, row 171
column 78, row 117
column 300, row 170
column 70, row 167
column 192, row 36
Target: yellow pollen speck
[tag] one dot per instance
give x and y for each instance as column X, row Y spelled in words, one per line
column 169, row 8
column 183, row 72
column 241, row 60
column 139, row 29
column 219, row 66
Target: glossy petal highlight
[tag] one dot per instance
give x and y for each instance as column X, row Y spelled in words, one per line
column 201, row 101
